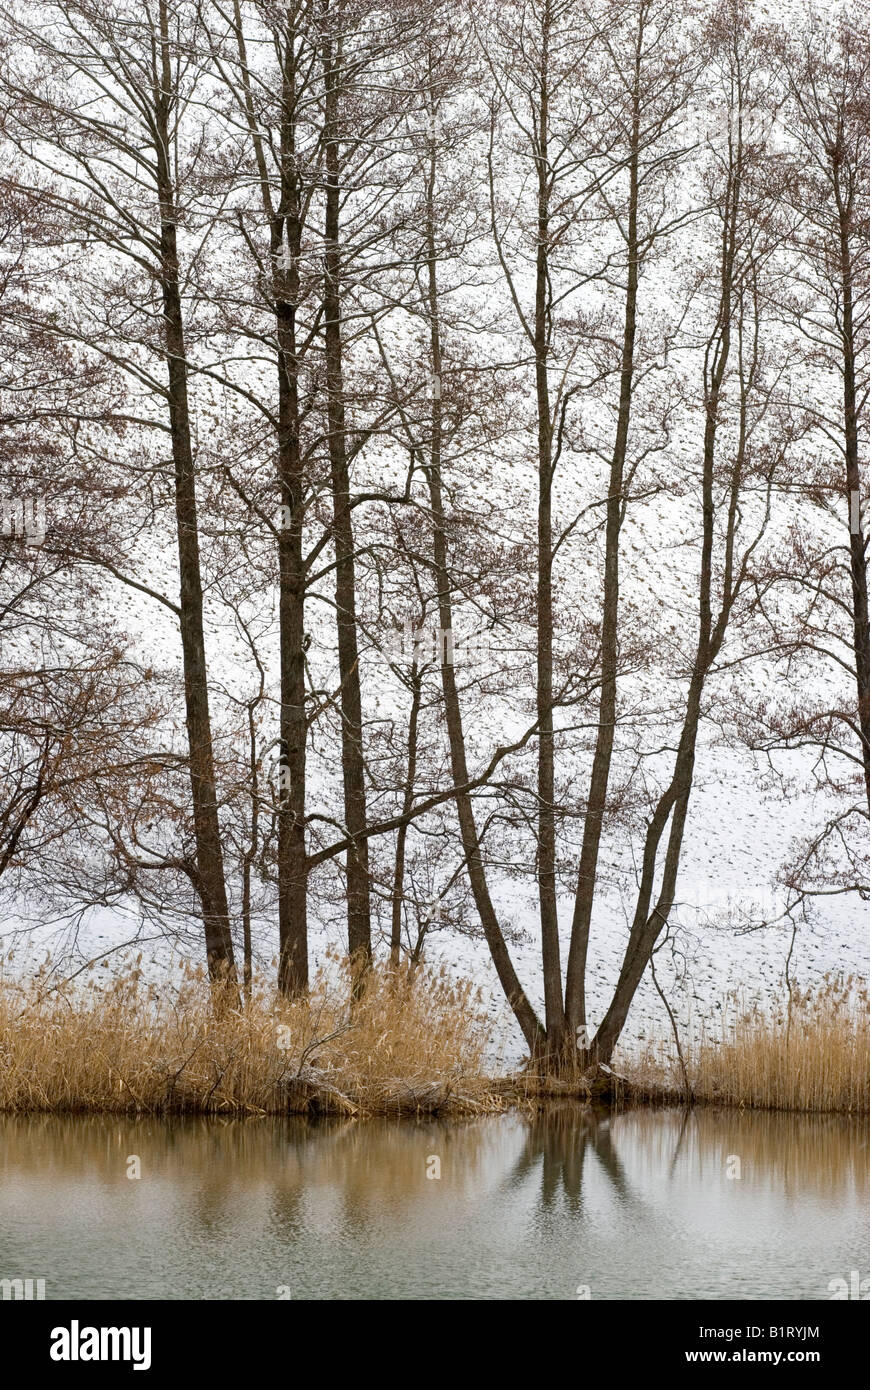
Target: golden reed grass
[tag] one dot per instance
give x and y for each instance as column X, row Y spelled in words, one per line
column 809, row 1051
column 415, row 1042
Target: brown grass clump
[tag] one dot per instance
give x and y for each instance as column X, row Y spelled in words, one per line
column 414, row 1043
column 809, row 1052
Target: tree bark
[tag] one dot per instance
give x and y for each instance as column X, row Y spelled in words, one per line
column 587, row 872
column 532, row 1030
column 359, row 939
column 285, row 236
column 402, row 834
column 550, row 951
column 673, row 805
column 211, row 881
column 857, row 542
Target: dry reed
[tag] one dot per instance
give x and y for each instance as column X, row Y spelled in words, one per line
column 809, row 1051
column 414, row 1042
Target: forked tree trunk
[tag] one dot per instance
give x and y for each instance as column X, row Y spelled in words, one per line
column 599, row 781
column 523, row 1011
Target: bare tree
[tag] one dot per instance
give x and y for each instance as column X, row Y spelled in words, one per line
column 114, row 165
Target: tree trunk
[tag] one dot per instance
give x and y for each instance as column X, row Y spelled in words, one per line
column 292, row 855
column 550, row 952
column 285, row 225
column 674, row 803
column 210, row 867
column 359, row 938
column 857, row 543
column 523, row 1011
column 402, row 834
column 587, row 873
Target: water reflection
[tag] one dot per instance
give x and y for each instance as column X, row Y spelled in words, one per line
column 641, row 1204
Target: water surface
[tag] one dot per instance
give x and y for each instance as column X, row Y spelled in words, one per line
column 640, row 1205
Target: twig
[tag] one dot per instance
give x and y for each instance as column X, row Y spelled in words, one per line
column 661, row 994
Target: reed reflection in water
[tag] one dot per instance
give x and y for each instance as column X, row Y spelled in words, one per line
column 639, row 1205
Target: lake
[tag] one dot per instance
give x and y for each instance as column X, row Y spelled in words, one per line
column 644, row 1204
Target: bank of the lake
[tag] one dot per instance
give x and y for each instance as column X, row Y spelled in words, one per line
column 413, row 1043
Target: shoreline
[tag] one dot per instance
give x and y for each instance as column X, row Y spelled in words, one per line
column 315, row 1099
column 414, row 1044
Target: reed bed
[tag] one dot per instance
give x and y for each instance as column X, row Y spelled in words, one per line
column 413, row 1043
column 809, row 1051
